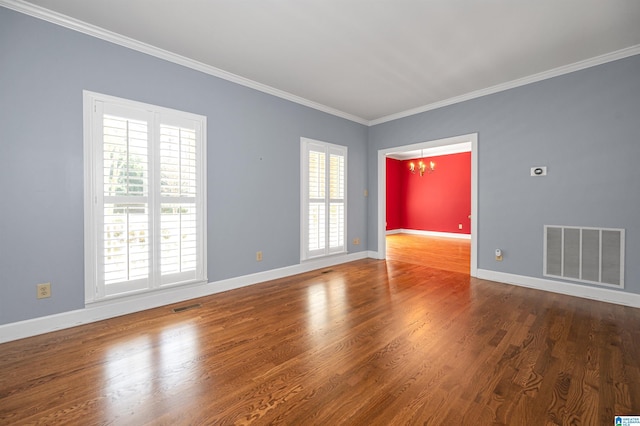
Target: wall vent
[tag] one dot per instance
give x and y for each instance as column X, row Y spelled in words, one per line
column 186, row 308
column 589, row 255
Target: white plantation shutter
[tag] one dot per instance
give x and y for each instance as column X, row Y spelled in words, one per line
column 144, row 214
column 323, row 198
column 336, row 201
column 317, row 190
column 178, row 190
column 126, row 246
column 124, row 251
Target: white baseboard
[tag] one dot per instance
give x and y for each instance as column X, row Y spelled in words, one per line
column 113, row 308
column 375, row 255
column 117, row 307
column 577, row 290
column 429, row 233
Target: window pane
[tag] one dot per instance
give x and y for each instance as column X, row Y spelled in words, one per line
column 336, row 176
column 317, row 174
column 125, row 157
column 178, row 238
column 317, row 224
column 126, row 242
column 336, row 225
column 177, row 161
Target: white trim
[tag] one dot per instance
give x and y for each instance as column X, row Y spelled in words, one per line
column 382, row 193
column 126, row 305
column 115, row 38
column 576, row 290
column 306, row 146
column 103, row 34
column 430, row 233
column 555, row 72
column 94, row 107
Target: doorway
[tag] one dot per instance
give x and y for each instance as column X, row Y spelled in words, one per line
column 472, row 139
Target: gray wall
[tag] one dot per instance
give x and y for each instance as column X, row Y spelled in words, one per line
column 253, row 160
column 585, row 126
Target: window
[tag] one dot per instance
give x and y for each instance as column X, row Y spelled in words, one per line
column 144, row 197
column 324, row 198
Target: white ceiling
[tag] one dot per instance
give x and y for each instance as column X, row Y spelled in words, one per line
column 371, row 58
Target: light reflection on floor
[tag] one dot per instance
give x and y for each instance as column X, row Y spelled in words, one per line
column 326, row 301
column 128, row 374
column 147, row 367
column 178, row 355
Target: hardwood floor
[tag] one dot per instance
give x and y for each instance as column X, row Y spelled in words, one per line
column 365, row 343
column 450, row 254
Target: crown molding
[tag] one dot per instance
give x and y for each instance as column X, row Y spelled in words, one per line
column 566, row 69
column 110, row 36
column 101, row 33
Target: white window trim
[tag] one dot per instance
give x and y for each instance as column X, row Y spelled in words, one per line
column 304, row 205
column 93, row 292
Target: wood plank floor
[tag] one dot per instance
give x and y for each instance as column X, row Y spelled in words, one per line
column 365, row 343
column 450, row 254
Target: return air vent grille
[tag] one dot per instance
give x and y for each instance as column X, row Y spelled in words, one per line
column 590, row 255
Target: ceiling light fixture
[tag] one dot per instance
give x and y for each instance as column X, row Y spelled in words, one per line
column 422, row 167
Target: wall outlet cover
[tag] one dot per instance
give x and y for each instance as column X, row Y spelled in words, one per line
column 44, row 290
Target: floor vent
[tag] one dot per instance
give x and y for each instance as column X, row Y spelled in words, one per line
column 186, row 308
column 589, row 255
column 326, row 271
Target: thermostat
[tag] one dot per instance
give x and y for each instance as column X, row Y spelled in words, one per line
column 539, row 171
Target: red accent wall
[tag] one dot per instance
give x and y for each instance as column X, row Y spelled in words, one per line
column 394, row 193
column 437, row 201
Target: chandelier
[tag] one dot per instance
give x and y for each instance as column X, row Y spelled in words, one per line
column 422, row 167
